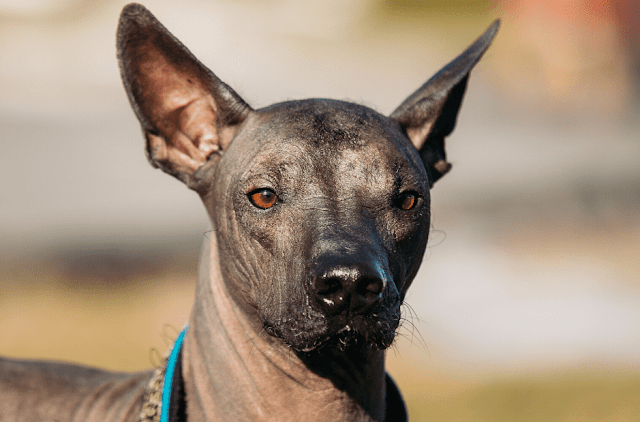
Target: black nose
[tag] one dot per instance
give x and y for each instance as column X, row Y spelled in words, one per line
column 353, row 288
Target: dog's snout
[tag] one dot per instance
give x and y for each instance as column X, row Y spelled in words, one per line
column 351, row 288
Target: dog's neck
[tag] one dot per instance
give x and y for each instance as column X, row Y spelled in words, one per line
column 233, row 371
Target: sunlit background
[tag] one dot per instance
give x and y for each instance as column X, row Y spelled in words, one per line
column 527, row 306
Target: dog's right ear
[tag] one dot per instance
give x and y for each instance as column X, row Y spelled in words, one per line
column 186, row 112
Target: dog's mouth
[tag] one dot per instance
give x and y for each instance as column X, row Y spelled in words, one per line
column 313, row 330
column 353, row 337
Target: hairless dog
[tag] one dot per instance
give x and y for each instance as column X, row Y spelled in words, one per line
column 320, row 212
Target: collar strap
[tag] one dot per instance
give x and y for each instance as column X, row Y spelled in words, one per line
column 169, row 375
column 396, row 409
column 164, row 394
column 164, row 397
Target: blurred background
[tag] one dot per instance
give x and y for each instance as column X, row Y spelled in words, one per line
column 527, row 306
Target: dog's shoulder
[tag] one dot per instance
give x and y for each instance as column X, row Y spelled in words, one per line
column 39, row 391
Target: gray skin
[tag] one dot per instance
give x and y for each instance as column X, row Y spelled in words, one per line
column 320, row 216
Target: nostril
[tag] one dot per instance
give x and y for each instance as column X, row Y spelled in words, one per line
column 370, row 288
column 329, row 286
column 368, row 292
column 330, row 294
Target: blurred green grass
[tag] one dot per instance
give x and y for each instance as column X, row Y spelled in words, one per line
column 554, row 397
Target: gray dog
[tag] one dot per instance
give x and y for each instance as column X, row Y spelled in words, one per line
column 321, row 214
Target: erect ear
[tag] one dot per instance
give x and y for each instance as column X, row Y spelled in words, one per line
column 186, row 112
column 430, row 113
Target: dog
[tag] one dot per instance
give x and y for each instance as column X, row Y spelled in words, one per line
column 320, row 212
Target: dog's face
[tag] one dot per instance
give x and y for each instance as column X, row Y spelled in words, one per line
column 320, row 207
column 322, row 213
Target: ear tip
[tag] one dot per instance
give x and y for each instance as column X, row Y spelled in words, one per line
column 134, row 19
column 493, row 29
column 477, row 49
column 135, row 14
column 133, row 9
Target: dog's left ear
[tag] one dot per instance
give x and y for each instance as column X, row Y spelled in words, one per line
column 430, row 113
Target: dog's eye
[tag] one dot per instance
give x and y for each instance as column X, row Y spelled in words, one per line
column 407, row 200
column 263, row 198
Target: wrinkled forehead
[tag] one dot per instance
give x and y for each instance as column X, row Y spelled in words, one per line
column 328, row 130
column 303, row 143
column 328, row 124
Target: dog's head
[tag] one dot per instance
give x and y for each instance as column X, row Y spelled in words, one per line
column 320, row 207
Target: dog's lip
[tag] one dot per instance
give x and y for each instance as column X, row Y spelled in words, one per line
column 318, row 344
column 338, row 330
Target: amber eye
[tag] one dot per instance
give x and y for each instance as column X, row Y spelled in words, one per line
column 263, row 198
column 407, row 200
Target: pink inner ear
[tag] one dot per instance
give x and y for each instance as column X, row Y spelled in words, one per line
column 175, row 101
column 418, row 134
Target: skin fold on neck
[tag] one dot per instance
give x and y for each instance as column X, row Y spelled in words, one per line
column 233, row 370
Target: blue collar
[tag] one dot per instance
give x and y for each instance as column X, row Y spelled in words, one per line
column 168, row 376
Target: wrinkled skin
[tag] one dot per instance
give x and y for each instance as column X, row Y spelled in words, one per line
column 338, row 170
